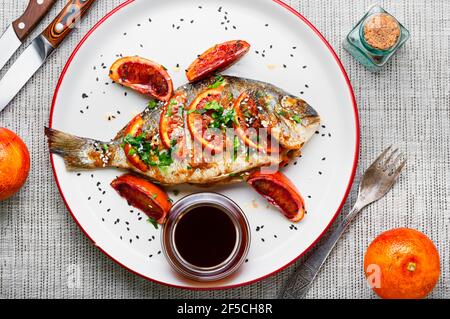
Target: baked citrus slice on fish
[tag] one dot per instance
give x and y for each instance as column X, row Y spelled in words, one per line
column 143, row 76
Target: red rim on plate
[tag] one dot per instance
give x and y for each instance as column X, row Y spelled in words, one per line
column 355, row 160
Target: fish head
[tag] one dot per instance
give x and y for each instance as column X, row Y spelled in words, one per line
column 289, row 119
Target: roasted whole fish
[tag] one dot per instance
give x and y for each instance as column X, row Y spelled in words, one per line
column 218, row 130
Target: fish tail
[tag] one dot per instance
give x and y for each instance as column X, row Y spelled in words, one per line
column 78, row 152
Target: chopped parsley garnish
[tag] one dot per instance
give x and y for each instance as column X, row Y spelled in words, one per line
column 282, row 113
column 297, row 118
column 150, row 155
column 172, row 103
column 153, row 222
column 218, row 82
column 152, row 104
column 154, row 196
column 235, row 147
column 221, row 118
column 105, row 148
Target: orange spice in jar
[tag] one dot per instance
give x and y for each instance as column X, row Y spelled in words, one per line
column 375, row 38
column 381, row 31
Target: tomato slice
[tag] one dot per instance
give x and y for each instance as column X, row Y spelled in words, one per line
column 143, row 76
column 280, row 192
column 217, row 58
column 134, row 129
column 171, row 125
column 248, row 122
column 143, row 195
column 199, row 121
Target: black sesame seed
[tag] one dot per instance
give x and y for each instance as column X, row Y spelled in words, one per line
column 138, row 24
column 159, row 252
column 320, row 173
column 304, row 66
column 275, row 236
column 108, row 210
column 150, row 256
column 246, row 260
column 284, row 66
column 324, row 158
column 294, row 48
column 131, row 240
column 192, row 21
column 149, row 20
column 306, row 86
column 103, row 219
column 78, row 174
column 266, row 24
column 81, row 111
column 89, row 198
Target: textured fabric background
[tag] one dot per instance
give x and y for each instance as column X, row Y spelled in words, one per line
column 407, row 104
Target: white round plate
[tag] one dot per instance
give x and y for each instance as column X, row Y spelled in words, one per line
column 287, row 51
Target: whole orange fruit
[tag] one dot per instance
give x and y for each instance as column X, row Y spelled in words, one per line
column 407, row 263
column 14, row 163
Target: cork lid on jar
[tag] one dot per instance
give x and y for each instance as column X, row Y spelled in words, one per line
column 381, row 31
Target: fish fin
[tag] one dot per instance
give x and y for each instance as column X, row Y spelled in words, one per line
column 78, row 152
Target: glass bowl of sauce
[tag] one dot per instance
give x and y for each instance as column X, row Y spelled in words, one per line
column 206, row 237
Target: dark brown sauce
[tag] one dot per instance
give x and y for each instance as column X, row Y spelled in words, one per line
column 205, row 236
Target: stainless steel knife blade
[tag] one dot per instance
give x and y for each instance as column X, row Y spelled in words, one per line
column 9, row 43
column 23, row 69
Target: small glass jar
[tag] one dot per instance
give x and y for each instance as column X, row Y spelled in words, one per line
column 241, row 246
column 375, row 53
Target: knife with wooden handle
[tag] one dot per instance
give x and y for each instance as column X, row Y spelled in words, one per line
column 40, row 49
column 19, row 30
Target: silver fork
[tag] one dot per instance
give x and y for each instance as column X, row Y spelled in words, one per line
column 375, row 183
